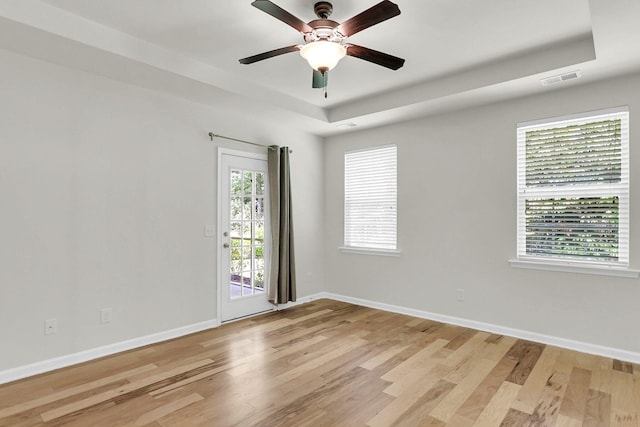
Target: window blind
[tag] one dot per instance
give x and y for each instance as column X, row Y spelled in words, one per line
column 370, row 206
column 573, row 188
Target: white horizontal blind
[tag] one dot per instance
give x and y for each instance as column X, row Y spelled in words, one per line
column 370, row 193
column 573, row 188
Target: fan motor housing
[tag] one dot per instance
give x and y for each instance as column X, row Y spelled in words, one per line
column 323, row 29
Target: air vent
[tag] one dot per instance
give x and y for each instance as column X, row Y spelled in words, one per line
column 561, row 78
column 346, row 125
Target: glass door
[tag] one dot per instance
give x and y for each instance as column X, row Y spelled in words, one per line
column 244, row 223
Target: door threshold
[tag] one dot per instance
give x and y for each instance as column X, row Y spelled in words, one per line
column 235, row 319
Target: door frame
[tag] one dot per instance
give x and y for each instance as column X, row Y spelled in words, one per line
column 267, row 232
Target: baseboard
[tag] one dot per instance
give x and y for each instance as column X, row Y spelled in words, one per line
column 96, row 353
column 583, row 347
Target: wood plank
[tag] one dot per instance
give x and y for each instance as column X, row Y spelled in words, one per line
column 204, row 374
column 619, row 365
column 589, row 362
column 408, row 366
column 473, row 345
column 533, row 388
column 164, row 410
column 515, row 418
column 602, row 380
column 384, row 356
column 259, row 361
column 546, row 411
column 117, row 392
column 494, row 338
column 526, row 354
column 497, row 408
column 66, row 393
column 358, row 402
column 458, row 341
column 597, row 409
column 564, row 421
column 636, row 394
column 623, row 407
column 414, row 322
column 452, row 402
column 418, row 412
column 405, row 374
column 575, row 397
column 482, row 395
column 430, row 382
column 496, row 351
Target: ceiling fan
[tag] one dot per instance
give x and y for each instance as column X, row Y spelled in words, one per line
column 325, row 40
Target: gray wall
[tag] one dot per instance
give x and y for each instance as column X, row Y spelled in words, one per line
column 457, row 224
column 104, row 192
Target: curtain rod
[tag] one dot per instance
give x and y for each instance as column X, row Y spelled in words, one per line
column 214, row 135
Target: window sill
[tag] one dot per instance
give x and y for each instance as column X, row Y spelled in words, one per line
column 370, row 251
column 570, row 267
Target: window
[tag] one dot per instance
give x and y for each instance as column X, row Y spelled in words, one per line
column 573, row 188
column 370, row 200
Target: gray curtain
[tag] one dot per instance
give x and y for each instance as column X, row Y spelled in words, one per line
column 282, row 272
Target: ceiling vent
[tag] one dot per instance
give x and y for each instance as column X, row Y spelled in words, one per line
column 561, row 78
column 346, row 125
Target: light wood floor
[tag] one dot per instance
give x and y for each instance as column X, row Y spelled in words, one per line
column 328, row 363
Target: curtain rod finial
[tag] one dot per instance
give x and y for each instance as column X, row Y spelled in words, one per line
column 211, row 135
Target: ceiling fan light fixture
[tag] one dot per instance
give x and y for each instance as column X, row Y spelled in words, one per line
column 323, row 54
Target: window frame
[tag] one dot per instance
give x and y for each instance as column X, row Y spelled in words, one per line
column 363, row 247
column 621, row 190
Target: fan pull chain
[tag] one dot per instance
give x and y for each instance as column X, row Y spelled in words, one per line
column 325, row 79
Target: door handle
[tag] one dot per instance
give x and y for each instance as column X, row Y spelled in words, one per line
column 225, row 245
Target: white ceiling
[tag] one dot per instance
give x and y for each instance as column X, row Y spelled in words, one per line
column 458, row 53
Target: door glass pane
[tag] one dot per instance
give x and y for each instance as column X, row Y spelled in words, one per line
column 248, row 182
column 236, row 209
column 246, row 283
column 258, row 280
column 246, row 232
column 236, row 182
column 259, row 208
column 259, row 183
column 235, row 269
column 259, row 252
column 259, row 232
column 246, row 208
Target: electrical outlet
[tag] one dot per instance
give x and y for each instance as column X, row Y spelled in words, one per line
column 106, row 315
column 460, row 295
column 50, row 326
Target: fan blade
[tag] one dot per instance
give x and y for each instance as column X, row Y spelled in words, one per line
column 380, row 58
column 270, row 54
column 281, row 14
column 320, row 80
column 370, row 17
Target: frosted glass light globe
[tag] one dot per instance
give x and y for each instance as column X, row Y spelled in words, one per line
column 323, row 54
